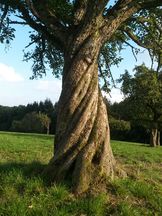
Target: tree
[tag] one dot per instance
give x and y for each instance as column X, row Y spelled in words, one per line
column 45, row 121
column 144, row 90
column 10, row 117
column 31, row 123
column 8, row 114
column 80, row 34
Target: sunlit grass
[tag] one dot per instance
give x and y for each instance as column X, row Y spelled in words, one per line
column 24, row 191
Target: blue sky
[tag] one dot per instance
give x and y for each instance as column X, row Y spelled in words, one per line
column 16, row 88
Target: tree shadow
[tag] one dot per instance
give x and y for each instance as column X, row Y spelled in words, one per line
column 28, row 170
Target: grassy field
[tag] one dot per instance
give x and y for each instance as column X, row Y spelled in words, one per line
column 24, row 191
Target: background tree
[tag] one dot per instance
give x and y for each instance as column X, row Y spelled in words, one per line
column 46, row 121
column 77, row 32
column 15, row 114
column 144, row 91
column 32, row 123
column 8, row 114
column 139, row 125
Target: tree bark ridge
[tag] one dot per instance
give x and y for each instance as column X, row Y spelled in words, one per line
column 82, row 148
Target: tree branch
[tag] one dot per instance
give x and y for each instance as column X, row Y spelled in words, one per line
column 122, row 11
column 134, row 49
column 51, row 31
column 135, row 39
column 17, row 22
column 93, row 20
column 80, row 8
column 4, row 14
column 48, row 18
column 115, row 17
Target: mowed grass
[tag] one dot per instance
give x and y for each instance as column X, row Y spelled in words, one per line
column 24, row 191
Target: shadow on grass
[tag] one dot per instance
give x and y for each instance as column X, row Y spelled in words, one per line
column 28, row 170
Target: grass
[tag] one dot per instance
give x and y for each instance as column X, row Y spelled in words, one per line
column 23, row 190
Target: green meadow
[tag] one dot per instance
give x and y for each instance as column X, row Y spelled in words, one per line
column 24, row 191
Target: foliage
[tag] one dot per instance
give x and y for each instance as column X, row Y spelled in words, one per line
column 142, row 103
column 119, row 129
column 144, row 91
column 139, row 123
column 25, row 191
column 121, row 110
column 8, row 114
column 11, row 116
column 45, row 121
column 119, row 125
column 32, row 122
column 54, row 23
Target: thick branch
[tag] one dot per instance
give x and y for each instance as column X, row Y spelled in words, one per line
column 123, row 10
column 32, row 23
column 92, row 11
column 80, row 8
column 48, row 18
column 51, row 32
column 115, row 16
column 135, row 39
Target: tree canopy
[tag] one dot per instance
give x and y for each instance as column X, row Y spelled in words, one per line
column 56, row 22
column 145, row 88
column 144, row 92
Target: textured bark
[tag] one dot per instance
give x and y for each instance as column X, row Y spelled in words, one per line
column 82, row 144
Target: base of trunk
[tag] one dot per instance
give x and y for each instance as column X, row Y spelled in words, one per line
column 89, row 157
column 155, row 138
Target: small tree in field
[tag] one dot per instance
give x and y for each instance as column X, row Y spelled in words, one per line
column 78, row 39
column 46, row 121
column 31, row 123
column 144, row 91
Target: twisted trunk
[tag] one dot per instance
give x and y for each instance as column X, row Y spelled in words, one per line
column 82, row 143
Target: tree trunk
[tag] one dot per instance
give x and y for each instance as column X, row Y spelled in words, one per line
column 48, row 129
column 82, row 143
column 158, row 138
column 153, row 137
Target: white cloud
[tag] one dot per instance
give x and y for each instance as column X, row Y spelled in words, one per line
column 28, row 91
column 115, row 95
column 8, row 74
column 43, row 85
column 50, row 86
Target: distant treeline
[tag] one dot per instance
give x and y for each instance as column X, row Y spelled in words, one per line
column 40, row 117
column 128, row 125
column 34, row 117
